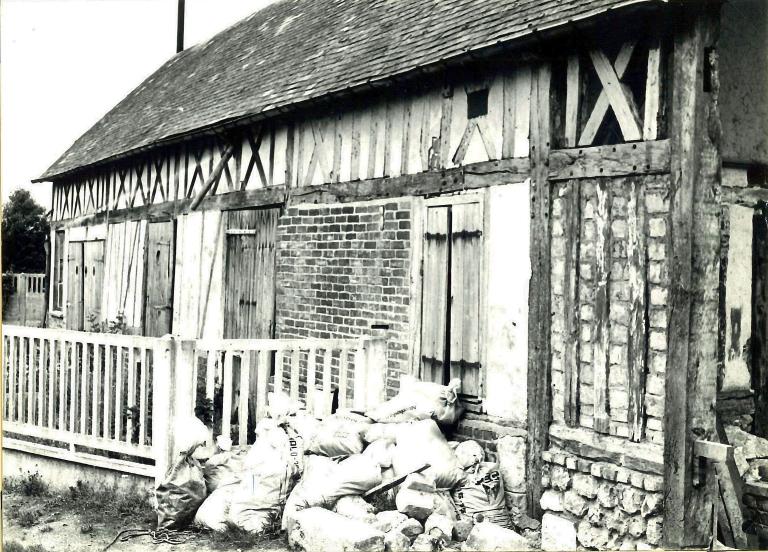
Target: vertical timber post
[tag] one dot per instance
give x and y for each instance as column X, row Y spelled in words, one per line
column 173, row 397
column 539, row 312
column 162, row 413
column 371, row 380
column 691, row 372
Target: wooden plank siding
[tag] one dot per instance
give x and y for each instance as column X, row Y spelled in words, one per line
column 386, row 138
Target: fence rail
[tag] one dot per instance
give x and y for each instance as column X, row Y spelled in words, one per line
column 113, row 400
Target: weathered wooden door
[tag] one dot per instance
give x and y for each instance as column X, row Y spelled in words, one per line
column 159, row 273
column 75, row 319
column 93, row 278
column 452, row 270
column 249, row 297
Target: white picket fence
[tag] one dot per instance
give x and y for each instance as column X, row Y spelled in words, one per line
column 113, row 400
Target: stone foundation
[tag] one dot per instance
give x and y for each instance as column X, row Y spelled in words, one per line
column 605, row 505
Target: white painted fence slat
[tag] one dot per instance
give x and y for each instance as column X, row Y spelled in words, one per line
column 242, row 408
column 41, row 381
column 31, row 378
column 343, row 367
column 210, row 383
column 295, row 374
column 85, row 366
column 226, row 410
column 262, row 384
column 311, row 368
column 109, row 365
column 95, row 396
column 73, row 386
column 327, row 375
column 130, row 401
column 143, row 407
column 278, row 383
column 62, row 365
column 119, row 352
column 12, row 378
column 22, row 377
column 52, row 368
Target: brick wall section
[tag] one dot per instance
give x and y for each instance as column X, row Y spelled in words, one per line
column 657, row 270
column 343, row 267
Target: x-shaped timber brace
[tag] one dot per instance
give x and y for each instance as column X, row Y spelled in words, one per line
column 615, row 95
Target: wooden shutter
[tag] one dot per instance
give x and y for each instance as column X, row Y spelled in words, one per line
column 75, row 286
column 435, row 294
column 466, row 263
column 160, row 261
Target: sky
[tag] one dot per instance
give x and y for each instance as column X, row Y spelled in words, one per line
column 65, row 63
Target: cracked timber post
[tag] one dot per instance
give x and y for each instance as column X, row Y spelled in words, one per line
column 691, row 372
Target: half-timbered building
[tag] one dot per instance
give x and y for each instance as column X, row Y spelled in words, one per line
column 561, row 203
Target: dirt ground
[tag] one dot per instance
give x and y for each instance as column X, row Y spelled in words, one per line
column 89, row 521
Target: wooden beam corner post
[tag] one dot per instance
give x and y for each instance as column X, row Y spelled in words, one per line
column 173, row 397
column 691, row 371
column 539, row 311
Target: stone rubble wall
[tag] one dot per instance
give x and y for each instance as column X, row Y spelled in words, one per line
column 599, row 505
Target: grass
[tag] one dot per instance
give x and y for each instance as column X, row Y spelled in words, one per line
column 233, row 536
column 106, row 506
column 13, row 546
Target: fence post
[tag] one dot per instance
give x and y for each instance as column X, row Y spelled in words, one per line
column 162, row 413
column 370, row 373
column 173, row 397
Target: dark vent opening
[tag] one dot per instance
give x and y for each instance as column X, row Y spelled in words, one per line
column 477, row 103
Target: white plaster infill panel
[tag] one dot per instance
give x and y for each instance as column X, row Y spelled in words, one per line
column 509, row 272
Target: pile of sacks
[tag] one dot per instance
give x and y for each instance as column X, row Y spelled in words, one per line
column 309, row 477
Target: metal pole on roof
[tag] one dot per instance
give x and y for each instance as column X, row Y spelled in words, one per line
column 180, row 28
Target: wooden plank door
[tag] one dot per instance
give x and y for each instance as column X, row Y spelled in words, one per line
column 159, row 274
column 249, row 297
column 93, row 280
column 75, row 320
column 249, row 293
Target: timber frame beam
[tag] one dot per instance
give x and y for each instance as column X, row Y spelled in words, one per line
column 691, row 372
column 468, row 177
column 539, row 312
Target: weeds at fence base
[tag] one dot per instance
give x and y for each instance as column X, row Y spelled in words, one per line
column 13, row 546
column 236, row 537
column 28, row 484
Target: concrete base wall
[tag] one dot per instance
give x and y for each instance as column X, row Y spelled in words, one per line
column 62, row 474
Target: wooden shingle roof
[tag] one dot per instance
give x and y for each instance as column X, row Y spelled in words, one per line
column 298, row 50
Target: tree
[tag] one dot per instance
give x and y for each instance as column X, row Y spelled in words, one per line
column 25, row 229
